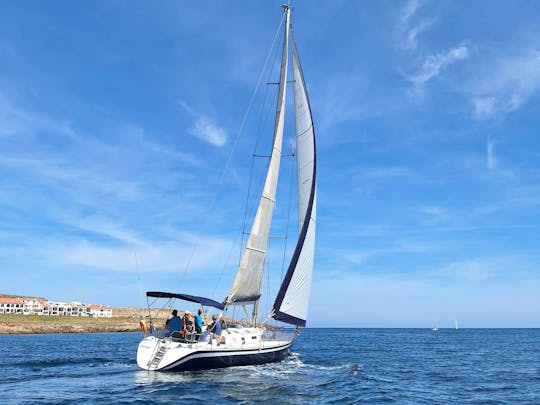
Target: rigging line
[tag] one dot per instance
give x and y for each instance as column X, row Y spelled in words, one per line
column 240, row 130
column 139, row 282
column 223, row 268
column 267, row 302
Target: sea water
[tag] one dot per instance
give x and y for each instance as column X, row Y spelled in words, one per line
column 401, row 366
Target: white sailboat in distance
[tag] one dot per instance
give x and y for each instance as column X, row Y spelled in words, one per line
column 255, row 343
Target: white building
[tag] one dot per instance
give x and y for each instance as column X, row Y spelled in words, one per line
column 100, row 311
column 31, row 306
column 9, row 305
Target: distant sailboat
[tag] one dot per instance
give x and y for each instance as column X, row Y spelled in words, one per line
column 455, row 325
column 255, row 344
column 435, row 328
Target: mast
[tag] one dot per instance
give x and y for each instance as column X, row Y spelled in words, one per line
column 246, row 287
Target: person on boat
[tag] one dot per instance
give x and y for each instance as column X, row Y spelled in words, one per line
column 175, row 322
column 187, row 323
column 205, row 337
column 166, row 331
column 216, row 327
column 198, row 322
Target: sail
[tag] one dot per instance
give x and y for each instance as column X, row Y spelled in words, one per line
column 292, row 301
column 246, row 287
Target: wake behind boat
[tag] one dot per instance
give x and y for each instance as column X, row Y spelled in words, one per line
column 249, row 342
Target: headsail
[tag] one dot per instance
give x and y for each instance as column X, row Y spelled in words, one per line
column 246, row 287
column 292, row 301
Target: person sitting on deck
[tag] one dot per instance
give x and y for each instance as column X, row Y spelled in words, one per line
column 167, row 328
column 175, row 322
column 187, row 324
column 216, row 328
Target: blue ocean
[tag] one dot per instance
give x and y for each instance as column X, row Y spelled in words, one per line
column 342, row 366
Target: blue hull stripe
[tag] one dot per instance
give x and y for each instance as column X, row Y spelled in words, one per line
column 204, row 360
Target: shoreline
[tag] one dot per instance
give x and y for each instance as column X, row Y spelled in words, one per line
column 16, row 324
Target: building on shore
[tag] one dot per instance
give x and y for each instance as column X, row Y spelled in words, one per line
column 39, row 306
column 9, row 305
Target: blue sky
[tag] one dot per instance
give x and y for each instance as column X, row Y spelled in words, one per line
column 121, row 153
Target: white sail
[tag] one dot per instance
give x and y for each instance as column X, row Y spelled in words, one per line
column 246, row 287
column 292, row 301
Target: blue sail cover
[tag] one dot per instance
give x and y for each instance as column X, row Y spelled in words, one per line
column 185, row 297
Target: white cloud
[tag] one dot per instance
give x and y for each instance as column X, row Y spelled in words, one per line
column 479, row 292
column 358, row 256
column 484, row 106
column 487, row 268
column 15, row 120
column 515, row 101
column 433, row 65
column 205, row 129
column 152, row 256
column 104, row 227
column 415, row 31
column 409, row 10
column 506, row 84
column 208, row 132
column 409, row 29
column 142, row 142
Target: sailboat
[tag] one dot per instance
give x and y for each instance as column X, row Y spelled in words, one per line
column 455, row 325
column 241, row 344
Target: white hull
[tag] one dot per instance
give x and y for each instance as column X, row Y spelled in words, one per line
column 241, row 346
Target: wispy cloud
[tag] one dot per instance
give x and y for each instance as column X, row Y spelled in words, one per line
column 487, row 268
column 507, row 83
column 434, row 64
column 100, row 226
column 473, row 290
column 204, row 128
column 155, row 256
column 408, row 28
column 360, row 256
column 408, row 11
column 142, row 142
column 208, row 132
column 484, row 106
column 15, row 120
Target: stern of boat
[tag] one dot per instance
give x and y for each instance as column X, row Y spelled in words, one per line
column 146, row 352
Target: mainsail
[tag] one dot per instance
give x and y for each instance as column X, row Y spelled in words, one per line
column 292, row 301
column 246, row 288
